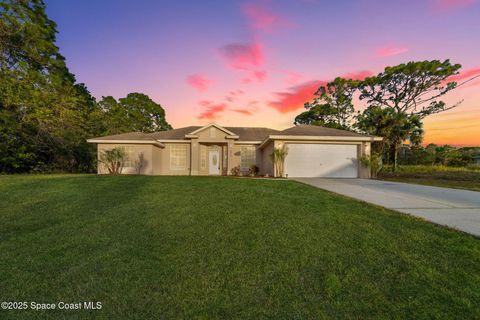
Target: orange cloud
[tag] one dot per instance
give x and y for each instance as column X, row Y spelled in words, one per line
column 295, row 98
column 211, row 110
column 261, row 18
column 390, row 51
column 199, row 82
column 243, row 56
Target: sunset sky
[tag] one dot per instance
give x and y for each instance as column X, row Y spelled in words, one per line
column 254, row 63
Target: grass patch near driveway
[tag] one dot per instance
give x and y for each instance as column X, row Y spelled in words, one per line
column 207, row 247
column 438, row 176
column 445, row 183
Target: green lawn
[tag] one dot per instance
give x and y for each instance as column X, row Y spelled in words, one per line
column 445, row 183
column 438, row 176
column 183, row 247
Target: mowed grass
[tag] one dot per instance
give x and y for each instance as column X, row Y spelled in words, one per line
column 223, row 248
column 438, row 176
column 445, row 183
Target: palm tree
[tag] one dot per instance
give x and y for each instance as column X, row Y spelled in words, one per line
column 278, row 155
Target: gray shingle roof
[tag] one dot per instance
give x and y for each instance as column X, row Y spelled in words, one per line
column 307, row 130
column 244, row 133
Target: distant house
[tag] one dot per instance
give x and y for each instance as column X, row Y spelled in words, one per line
column 313, row 151
column 476, row 160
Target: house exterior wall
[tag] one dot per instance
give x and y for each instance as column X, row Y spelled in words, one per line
column 145, row 149
column 267, row 161
column 164, row 159
column 203, row 158
column 212, row 134
column 364, row 150
column 157, row 160
column 237, row 156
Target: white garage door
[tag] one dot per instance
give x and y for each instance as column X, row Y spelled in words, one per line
column 322, row 160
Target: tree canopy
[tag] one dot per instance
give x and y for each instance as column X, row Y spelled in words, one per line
column 135, row 112
column 45, row 115
column 397, row 100
column 332, row 106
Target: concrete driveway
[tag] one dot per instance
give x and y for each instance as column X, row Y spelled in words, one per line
column 455, row 208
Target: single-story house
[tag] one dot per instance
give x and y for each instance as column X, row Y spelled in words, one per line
column 476, row 159
column 313, row 151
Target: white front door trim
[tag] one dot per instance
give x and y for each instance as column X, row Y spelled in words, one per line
column 214, row 162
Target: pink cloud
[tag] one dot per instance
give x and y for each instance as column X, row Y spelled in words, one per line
column 233, row 95
column 199, row 82
column 465, row 75
column 243, row 111
column 448, row 5
column 260, row 76
column 261, row 18
column 211, row 110
column 243, row 56
column 295, row 98
column 390, row 51
column 255, row 76
column 246, row 80
column 293, row 77
column 360, row 75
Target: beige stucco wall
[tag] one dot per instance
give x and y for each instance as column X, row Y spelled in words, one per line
column 267, row 162
column 157, row 159
column 364, row 149
column 145, row 149
column 211, row 134
column 236, row 156
column 162, row 161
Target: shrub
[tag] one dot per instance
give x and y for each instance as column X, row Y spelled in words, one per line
column 253, row 170
column 473, row 166
column 113, row 160
column 235, row 171
column 469, row 173
column 374, row 162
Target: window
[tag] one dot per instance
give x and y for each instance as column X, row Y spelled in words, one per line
column 129, row 161
column 178, row 156
column 247, row 157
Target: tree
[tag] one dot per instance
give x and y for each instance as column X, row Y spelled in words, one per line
column 401, row 96
column 113, row 160
column 392, row 126
column 332, row 106
column 43, row 112
column 45, row 115
column 135, row 112
column 278, row 156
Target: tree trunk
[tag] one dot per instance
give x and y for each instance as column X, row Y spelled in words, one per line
column 395, row 157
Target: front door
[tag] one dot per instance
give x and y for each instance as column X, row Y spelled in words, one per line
column 214, row 162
